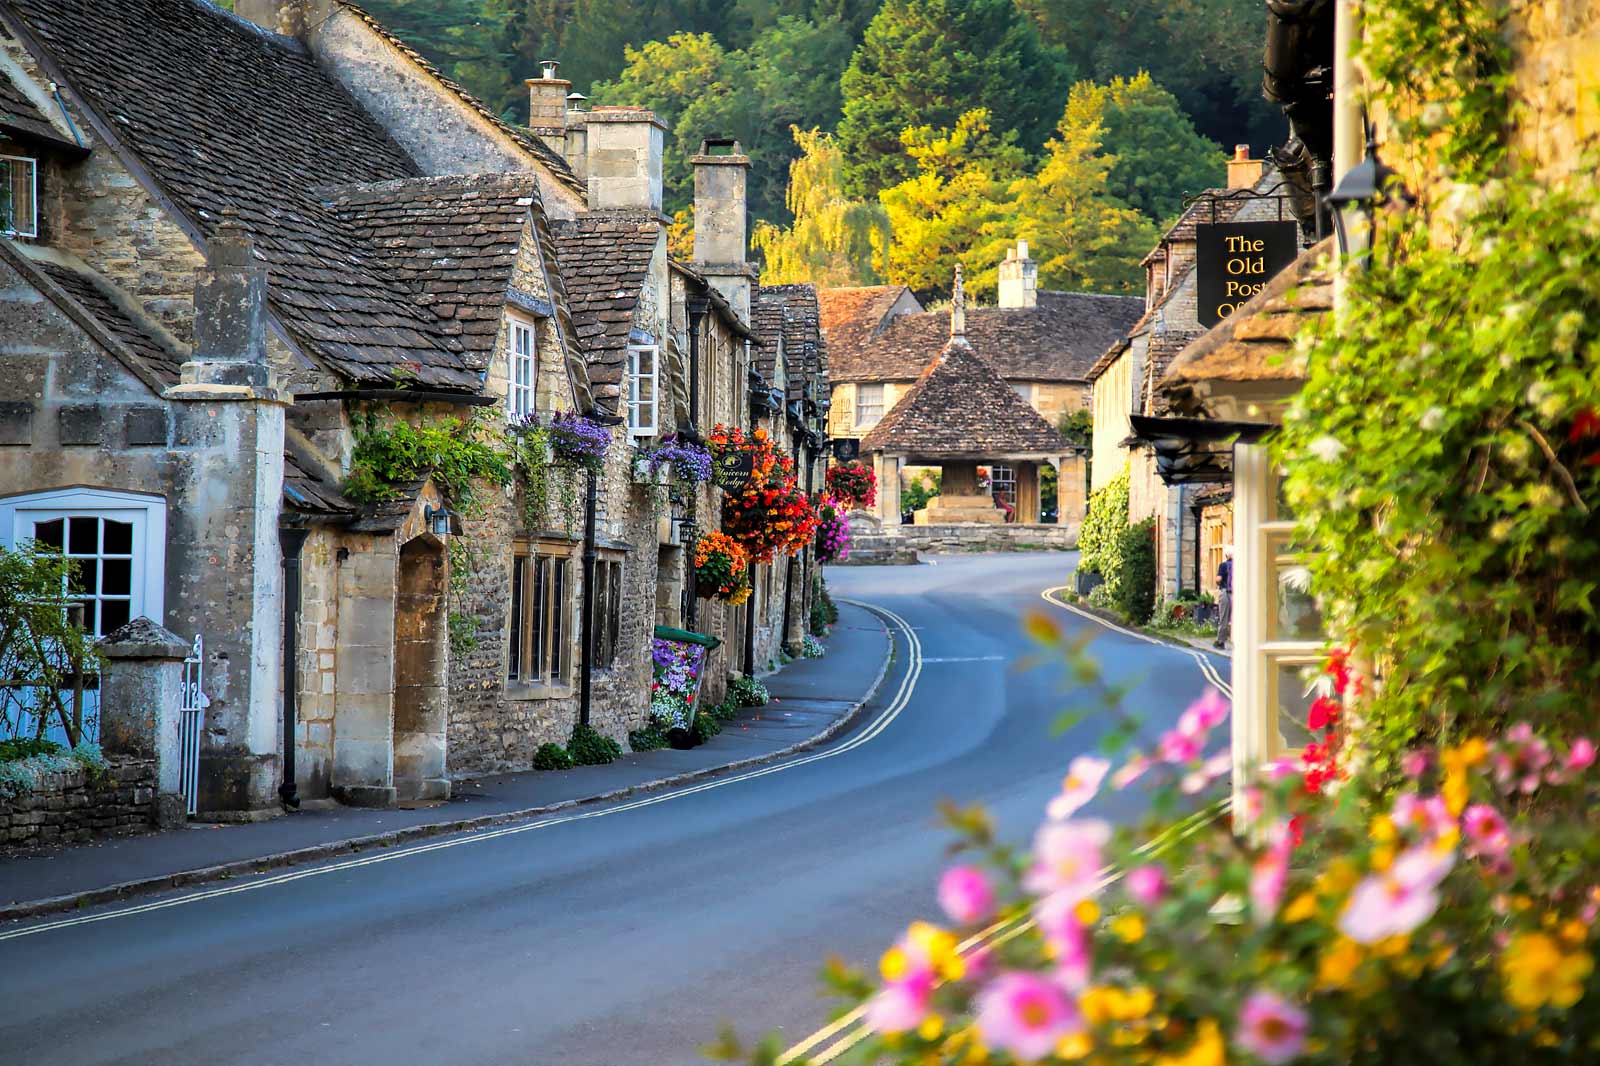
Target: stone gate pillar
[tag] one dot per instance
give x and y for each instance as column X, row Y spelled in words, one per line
column 141, row 690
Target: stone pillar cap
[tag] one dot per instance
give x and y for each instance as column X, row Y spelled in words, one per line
column 143, row 639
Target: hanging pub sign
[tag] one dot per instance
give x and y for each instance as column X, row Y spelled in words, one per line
column 1235, row 260
column 846, row 449
column 734, row 470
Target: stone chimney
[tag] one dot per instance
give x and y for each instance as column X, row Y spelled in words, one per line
column 1243, row 172
column 958, row 307
column 1019, row 278
column 625, row 145
column 721, row 251
column 547, row 106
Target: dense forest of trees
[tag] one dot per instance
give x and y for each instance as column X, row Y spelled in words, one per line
column 916, row 130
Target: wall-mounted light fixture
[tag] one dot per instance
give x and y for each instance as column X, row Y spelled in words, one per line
column 440, row 520
column 1367, row 186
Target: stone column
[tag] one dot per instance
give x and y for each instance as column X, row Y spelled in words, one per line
column 141, row 691
column 888, row 472
column 228, row 412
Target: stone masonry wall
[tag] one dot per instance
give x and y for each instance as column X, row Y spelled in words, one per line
column 67, row 808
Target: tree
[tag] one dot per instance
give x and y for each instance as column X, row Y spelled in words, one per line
column 44, row 649
column 959, row 193
column 833, row 240
column 1156, row 154
column 466, row 40
column 924, row 63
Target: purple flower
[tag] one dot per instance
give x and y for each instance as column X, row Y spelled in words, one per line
column 579, row 440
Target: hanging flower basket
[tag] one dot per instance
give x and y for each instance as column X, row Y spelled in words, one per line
column 579, row 441
column 769, row 514
column 833, row 531
column 853, row 484
column 720, row 565
column 646, row 472
column 685, row 462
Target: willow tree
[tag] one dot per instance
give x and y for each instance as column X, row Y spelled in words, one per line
column 833, row 240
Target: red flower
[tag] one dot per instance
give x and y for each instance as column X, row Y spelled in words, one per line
column 1584, row 425
column 1324, row 713
column 1297, row 830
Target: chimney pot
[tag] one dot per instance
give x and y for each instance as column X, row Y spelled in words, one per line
column 576, row 101
column 1243, row 172
column 625, row 146
column 721, row 249
column 550, row 66
column 547, row 106
column 1241, row 152
column 1019, row 278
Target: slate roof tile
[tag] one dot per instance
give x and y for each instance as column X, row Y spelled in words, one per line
column 799, row 319
column 850, row 316
column 95, row 297
column 961, row 408
column 19, row 115
column 604, row 260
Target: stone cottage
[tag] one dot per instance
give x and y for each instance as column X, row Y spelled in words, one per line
column 1041, row 342
column 213, row 297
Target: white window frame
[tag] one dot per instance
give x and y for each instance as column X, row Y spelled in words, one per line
column 879, row 405
column 522, row 367
column 146, row 513
column 643, row 412
column 7, row 227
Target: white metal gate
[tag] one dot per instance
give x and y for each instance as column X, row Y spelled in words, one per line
column 191, row 721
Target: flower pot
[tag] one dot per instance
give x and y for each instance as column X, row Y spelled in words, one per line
column 680, row 739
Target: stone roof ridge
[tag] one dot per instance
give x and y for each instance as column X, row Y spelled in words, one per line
column 551, row 160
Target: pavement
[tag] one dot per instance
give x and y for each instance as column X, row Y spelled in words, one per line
column 811, row 700
column 622, row 933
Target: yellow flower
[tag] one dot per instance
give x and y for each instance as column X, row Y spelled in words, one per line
column 1129, row 928
column 1455, row 791
column 1573, row 932
column 1391, row 946
column 1340, row 877
column 1538, row 973
column 1464, row 756
column 1087, row 912
column 1382, row 829
column 1382, row 857
column 1301, row 908
column 1207, row 1049
column 893, row 964
column 931, row 1027
column 1338, row 964
column 939, row 945
column 1074, row 1046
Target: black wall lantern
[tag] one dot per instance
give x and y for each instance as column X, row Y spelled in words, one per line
column 1367, row 186
column 440, row 520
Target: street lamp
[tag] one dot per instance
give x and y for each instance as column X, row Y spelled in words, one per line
column 1367, row 186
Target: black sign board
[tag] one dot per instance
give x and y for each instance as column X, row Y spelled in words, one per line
column 1235, row 260
column 734, row 470
column 846, row 449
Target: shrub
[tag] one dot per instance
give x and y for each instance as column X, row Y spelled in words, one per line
column 648, row 737
column 725, row 711
column 20, row 776
column 1136, row 591
column 27, row 748
column 706, row 726
column 810, row 647
column 552, row 757
column 824, row 612
column 919, row 492
column 1099, row 541
column 590, row 747
column 748, row 692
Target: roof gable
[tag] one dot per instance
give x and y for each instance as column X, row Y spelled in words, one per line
column 605, row 261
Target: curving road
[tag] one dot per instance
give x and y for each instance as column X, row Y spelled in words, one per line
column 621, row 937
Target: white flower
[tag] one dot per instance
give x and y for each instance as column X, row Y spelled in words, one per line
column 1432, row 419
column 1435, row 115
column 1328, row 449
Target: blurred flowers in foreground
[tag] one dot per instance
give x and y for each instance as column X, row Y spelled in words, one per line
column 1450, row 924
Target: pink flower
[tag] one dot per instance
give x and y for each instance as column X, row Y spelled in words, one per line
column 1057, row 917
column 1269, row 874
column 1147, row 885
column 1271, row 1028
column 900, row 1005
column 1280, row 769
column 1431, row 816
column 1520, row 759
column 1067, row 859
column 1176, row 746
column 1209, row 771
column 1414, row 763
column 1204, row 714
column 1486, row 831
column 1581, row 755
column 1131, row 771
column 1025, row 1015
column 966, row 895
column 1397, row 900
column 1079, row 786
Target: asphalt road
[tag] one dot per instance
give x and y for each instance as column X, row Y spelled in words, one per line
column 622, row 937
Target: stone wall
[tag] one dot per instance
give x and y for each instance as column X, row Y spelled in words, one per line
column 1557, row 71
column 68, row 808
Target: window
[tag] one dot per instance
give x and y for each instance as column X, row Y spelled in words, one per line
column 117, row 542
column 521, row 366
column 541, row 613
column 642, row 390
column 607, row 611
column 19, row 200
column 1024, row 391
column 869, row 405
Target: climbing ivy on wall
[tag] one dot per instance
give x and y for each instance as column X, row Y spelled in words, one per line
column 1099, row 541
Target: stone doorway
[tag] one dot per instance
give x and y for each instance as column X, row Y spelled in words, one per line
column 421, row 701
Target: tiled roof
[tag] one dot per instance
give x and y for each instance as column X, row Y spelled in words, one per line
column 1213, row 205
column 718, row 301
column 1164, row 347
column 850, row 316
column 18, row 115
column 554, row 162
column 767, row 320
column 604, row 261
column 793, row 309
column 1254, row 343
column 452, row 241
column 961, row 408
column 1149, row 322
column 226, row 116
column 1056, row 341
column 96, row 299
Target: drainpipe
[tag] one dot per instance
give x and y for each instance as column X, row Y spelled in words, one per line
column 790, row 570
column 590, row 555
column 290, row 541
column 697, row 311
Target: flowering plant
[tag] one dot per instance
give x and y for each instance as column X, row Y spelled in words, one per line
column 853, row 484
column 671, row 711
column 719, row 565
column 676, row 670
column 690, row 463
column 579, row 440
column 770, row 514
column 1453, row 923
column 833, row 530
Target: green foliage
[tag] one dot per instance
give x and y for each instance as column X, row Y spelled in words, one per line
column 916, row 495
column 747, row 692
column 833, row 240
column 925, row 63
column 589, row 747
column 1076, row 427
column 27, row 748
column 1156, row 154
column 39, row 642
column 1099, row 543
column 648, row 738
column 19, row 775
column 1136, row 578
column 824, row 612
column 455, row 452
column 705, row 727
column 552, row 757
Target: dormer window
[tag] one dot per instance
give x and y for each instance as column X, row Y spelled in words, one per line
column 521, row 365
column 642, row 390
column 19, row 196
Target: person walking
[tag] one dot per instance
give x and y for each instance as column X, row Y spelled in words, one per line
column 1224, row 598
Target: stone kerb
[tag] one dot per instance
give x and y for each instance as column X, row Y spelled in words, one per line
column 141, row 690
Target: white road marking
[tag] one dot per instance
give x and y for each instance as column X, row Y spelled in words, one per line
column 1208, row 669
column 885, row 718
column 966, row 659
